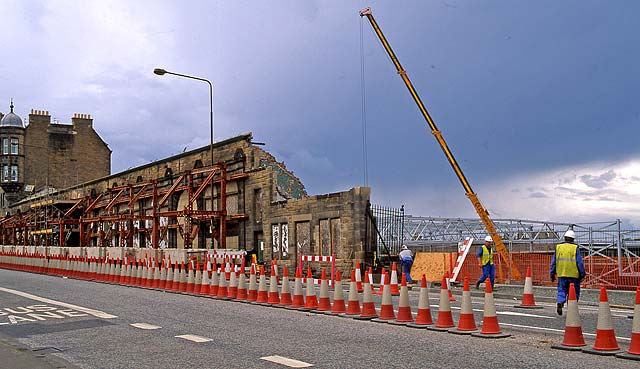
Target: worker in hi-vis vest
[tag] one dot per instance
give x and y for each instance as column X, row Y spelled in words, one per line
column 485, row 260
column 568, row 266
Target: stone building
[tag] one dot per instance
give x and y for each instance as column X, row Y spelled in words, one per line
column 42, row 156
column 240, row 197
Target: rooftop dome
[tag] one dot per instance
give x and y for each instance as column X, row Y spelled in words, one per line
column 11, row 119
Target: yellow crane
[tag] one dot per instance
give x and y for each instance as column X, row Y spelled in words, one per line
column 482, row 212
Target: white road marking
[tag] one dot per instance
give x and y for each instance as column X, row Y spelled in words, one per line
column 145, row 326
column 96, row 313
column 292, row 363
column 194, row 338
column 513, row 313
column 556, row 330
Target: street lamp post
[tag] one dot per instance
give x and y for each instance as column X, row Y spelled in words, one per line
column 161, row 72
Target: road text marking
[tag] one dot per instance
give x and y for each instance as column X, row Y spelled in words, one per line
column 194, row 338
column 145, row 326
column 286, row 361
column 96, row 313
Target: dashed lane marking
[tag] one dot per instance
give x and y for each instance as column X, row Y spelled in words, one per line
column 194, row 338
column 512, row 313
column 145, row 326
column 556, row 330
column 96, row 313
column 292, row 363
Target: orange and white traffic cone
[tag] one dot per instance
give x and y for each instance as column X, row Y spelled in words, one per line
column 274, row 297
column 634, row 347
column 573, row 338
column 404, row 308
column 197, row 279
column 490, row 326
column 445, row 318
column 338, row 306
column 263, row 294
column 606, row 343
column 353, row 302
column 223, row 288
column 215, row 282
column 386, row 306
column 467, row 322
column 298, row 297
column 191, row 278
column 205, row 284
column 232, row 293
column 168, row 284
column 370, row 273
column 324, row 301
column 394, row 280
column 311, row 302
column 423, row 318
column 358, row 277
column 368, row 306
column 451, row 298
column 242, row 287
column 252, row 293
column 285, row 294
column 528, row 301
column 184, row 277
column 155, row 282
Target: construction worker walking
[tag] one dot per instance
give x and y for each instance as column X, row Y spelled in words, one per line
column 568, row 266
column 406, row 262
column 485, row 261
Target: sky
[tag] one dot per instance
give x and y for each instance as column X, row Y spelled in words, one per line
column 538, row 101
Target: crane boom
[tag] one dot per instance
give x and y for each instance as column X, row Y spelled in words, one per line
column 482, row 212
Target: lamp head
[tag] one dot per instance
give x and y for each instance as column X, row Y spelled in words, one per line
column 159, row 71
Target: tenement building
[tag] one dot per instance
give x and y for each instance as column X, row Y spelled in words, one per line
column 41, row 156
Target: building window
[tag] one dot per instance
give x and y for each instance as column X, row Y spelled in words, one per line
column 280, row 237
column 5, row 173
column 5, row 146
column 330, row 237
column 14, row 146
column 14, row 173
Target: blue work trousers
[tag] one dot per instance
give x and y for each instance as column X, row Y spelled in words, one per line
column 406, row 268
column 488, row 270
column 563, row 288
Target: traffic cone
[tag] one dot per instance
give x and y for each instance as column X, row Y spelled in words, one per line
column 370, row 273
column 163, row 275
column 191, row 278
column 242, row 287
column 573, row 338
column 263, row 294
column 205, row 285
column 445, row 319
column 168, row 284
column 404, row 308
column 423, row 318
column 490, row 326
column 394, row 280
column 223, row 288
column 358, row 274
column 215, row 282
column 274, row 297
column 528, row 301
column 232, row 293
column 383, row 277
column 146, row 277
column 138, row 278
column 338, row 297
column 386, row 306
column 606, row 343
column 285, row 294
column 467, row 322
column 252, row 294
column 298, row 297
column 155, row 283
column 324, row 301
column 197, row 279
column 368, row 307
column 311, row 302
column 184, row 277
column 353, row 303
column 451, row 298
column 634, row 347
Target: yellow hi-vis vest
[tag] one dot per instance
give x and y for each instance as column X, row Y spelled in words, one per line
column 487, row 255
column 566, row 260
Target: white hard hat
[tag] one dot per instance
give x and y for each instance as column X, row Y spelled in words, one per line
column 488, row 239
column 404, row 247
column 570, row 234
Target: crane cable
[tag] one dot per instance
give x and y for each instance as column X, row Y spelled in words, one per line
column 363, row 113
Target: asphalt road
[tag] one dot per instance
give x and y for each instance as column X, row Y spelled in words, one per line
column 89, row 325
